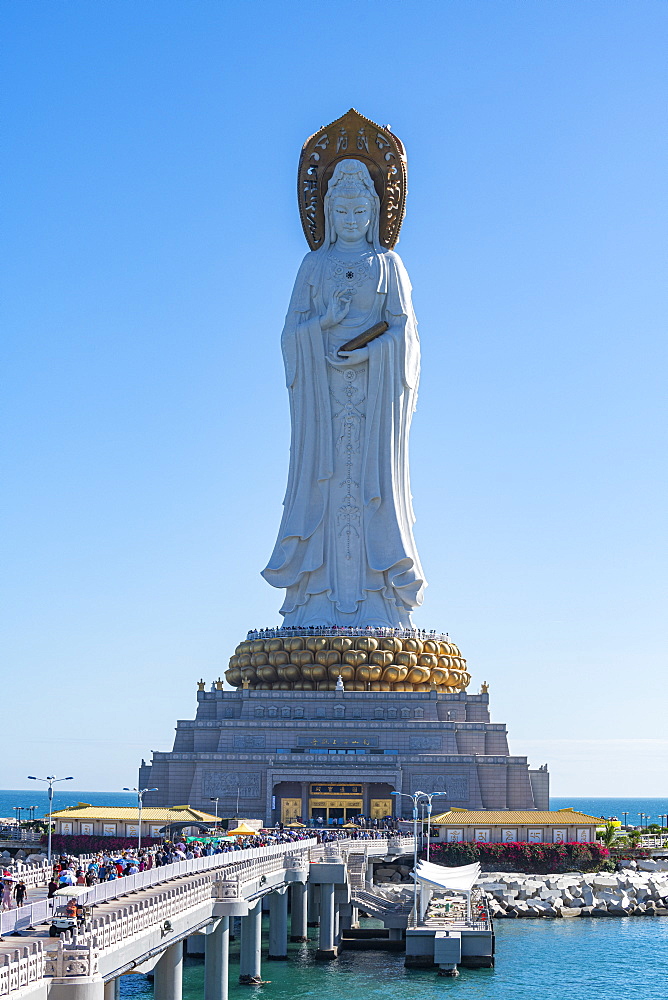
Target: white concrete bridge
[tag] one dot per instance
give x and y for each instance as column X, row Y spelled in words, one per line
column 140, row 922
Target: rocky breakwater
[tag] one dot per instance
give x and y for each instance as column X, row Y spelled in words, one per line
column 631, row 892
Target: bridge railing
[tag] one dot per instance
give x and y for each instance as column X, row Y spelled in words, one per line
column 31, row 875
column 154, row 876
column 21, row 967
column 114, row 928
column 23, row 917
column 36, row 913
column 653, row 841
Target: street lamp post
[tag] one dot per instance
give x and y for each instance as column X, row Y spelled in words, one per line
column 18, row 810
column 414, row 799
column 140, row 805
column 625, row 814
column 51, row 780
column 216, row 824
column 429, row 796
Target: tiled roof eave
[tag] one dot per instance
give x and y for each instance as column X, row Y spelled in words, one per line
column 515, row 818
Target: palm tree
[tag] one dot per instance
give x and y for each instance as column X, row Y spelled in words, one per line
column 609, row 835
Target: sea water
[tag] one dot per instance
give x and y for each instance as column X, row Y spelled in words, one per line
column 63, row 797
column 576, row 959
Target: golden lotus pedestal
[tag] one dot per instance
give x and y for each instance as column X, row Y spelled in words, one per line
column 366, row 660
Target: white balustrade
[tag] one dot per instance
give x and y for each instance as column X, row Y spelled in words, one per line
column 79, row 957
column 21, row 967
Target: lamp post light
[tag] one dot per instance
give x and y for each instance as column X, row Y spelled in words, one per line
column 625, row 814
column 429, row 796
column 51, row 780
column 216, row 800
column 18, row 810
column 140, row 805
column 414, row 799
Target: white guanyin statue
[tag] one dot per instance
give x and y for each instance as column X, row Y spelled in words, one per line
column 345, row 552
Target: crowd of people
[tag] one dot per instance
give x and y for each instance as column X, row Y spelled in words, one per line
column 105, row 867
column 379, row 631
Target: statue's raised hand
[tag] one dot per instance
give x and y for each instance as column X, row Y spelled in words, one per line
column 337, row 308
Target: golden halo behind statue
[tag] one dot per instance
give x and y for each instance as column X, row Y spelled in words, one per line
column 352, row 137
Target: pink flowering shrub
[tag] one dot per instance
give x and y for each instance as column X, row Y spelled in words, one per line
column 523, row 857
column 85, row 844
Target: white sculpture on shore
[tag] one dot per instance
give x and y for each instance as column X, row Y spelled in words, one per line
column 345, row 552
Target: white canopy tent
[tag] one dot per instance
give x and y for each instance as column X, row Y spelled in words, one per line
column 432, row 877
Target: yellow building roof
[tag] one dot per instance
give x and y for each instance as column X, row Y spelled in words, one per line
column 525, row 817
column 159, row 814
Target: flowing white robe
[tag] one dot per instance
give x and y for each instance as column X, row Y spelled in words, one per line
column 353, row 562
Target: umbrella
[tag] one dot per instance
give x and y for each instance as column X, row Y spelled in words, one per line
column 242, row 830
column 296, row 824
column 350, row 826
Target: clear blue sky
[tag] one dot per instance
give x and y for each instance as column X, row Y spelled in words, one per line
column 151, row 238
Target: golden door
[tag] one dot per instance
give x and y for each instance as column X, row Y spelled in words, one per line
column 380, row 808
column 291, row 809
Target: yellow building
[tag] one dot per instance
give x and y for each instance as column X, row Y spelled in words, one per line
column 524, row 826
column 123, row 821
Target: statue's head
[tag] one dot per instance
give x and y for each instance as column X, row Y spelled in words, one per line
column 352, row 206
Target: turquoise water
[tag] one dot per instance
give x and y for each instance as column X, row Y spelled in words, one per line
column 576, row 959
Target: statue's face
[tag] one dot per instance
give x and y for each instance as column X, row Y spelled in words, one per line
column 352, row 218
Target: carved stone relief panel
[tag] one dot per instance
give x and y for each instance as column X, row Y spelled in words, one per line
column 249, row 785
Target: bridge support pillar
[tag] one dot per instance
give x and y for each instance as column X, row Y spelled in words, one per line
column 355, row 919
column 299, row 911
column 327, row 948
column 78, row 988
column 250, row 967
column 216, row 961
column 313, row 904
column 168, row 974
column 345, row 917
column 278, row 925
column 112, row 989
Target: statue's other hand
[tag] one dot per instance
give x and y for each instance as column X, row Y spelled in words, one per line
column 355, row 357
column 337, row 308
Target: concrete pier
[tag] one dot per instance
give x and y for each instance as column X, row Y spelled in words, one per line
column 168, row 974
column 78, row 988
column 112, row 989
column 327, row 947
column 278, row 925
column 216, row 961
column 299, row 911
column 250, row 960
column 313, row 904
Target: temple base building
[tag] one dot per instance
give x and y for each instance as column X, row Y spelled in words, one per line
column 327, row 756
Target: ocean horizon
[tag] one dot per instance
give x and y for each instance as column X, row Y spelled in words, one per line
column 592, row 805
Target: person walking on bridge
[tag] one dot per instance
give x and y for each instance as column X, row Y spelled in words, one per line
column 20, row 893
